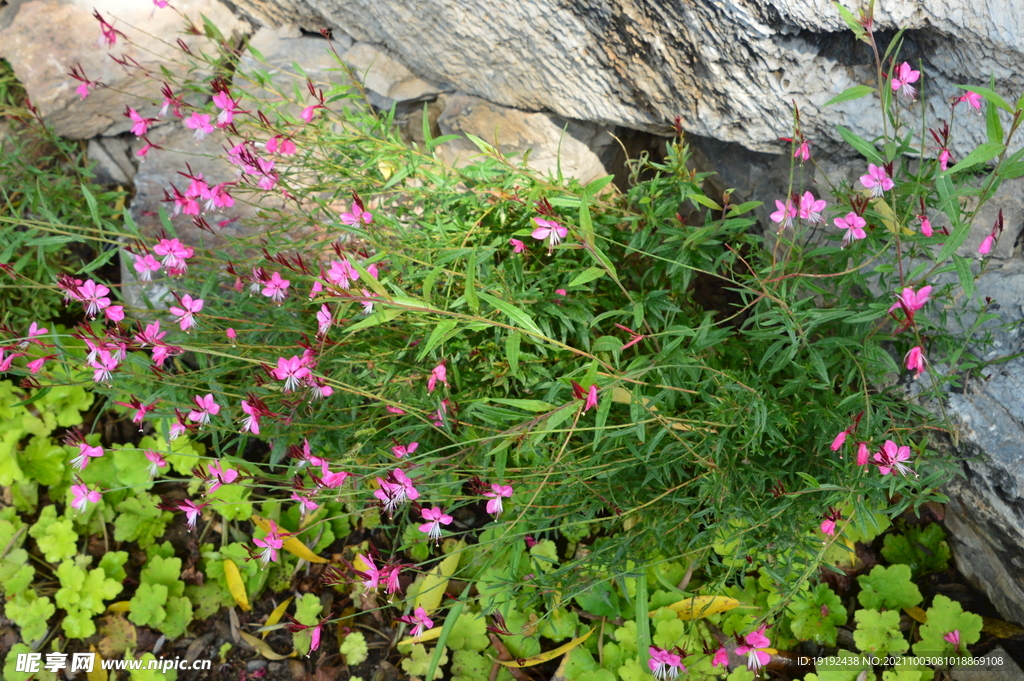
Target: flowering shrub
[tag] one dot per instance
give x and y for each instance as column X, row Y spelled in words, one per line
column 465, row 364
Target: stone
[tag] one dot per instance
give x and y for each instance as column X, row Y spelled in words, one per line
column 549, row 139
column 1009, row 670
column 46, row 38
column 731, row 69
column 113, row 159
column 986, row 508
column 385, row 78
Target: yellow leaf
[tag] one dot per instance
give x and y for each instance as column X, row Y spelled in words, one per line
column 999, row 628
column 98, row 673
column 917, row 614
column 276, row 615
column 386, row 168
column 235, row 584
column 889, row 218
column 697, row 607
column 263, row 647
column 623, row 396
column 428, row 635
column 120, row 606
column 550, row 655
column 291, row 544
column 432, row 589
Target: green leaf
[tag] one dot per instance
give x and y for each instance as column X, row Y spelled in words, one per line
column 964, row 273
column 481, row 145
column 993, row 126
column 97, row 589
column 30, row 613
column 879, row 632
column 586, row 224
column 851, row 21
column 471, row 298
column 924, row 550
column 945, row 616
column 146, row 606
column 512, row 353
column 469, row 633
column 862, row 145
column 165, row 571
column 599, row 599
column 990, row 96
column 816, row 614
column 140, row 520
column 586, row 276
column 55, row 538
column 440, row 333
column 888, row 587
column 985, row 152
column 855, row 92
column 528, row 405
column 513, row 312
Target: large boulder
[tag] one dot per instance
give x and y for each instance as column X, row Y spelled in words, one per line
column 44, row 39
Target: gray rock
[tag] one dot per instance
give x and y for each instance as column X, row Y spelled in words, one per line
column 45, row 38
column 554, row 141
column 1007, row 671
column 732, row 69
column 112, row 156
column 385, row 78
column 986, row 509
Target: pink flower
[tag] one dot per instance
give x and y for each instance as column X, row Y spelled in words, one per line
column 828, row 526
column 151, row 336
column 910, row 301
column 5, row 363
column 160, row 3
column 721, row 658
column 34, row 332
column 333, row 480
column 517, row 245
column 140, row 124
column 283, row 145
column 892, row 457
column 810, row 209
column 276, row 288
column 562, row 292
column 251, row 422
column 207, row 407
column 877, row 180
column 307, row 504
column 192, row 512
column 663, row 664
column 420, row 621
column 114, row 313
column 944, row 158
column 156, row 462
column 140, row 410
column 838, row 442
column 186, row 313
column 308, row 113
column 902, row 78
column 108, row 33
column 271, row 544
column 435, row 517
column 232, row 335
column 862, row 454
column 390, row 575
column 986, row 245
column 757, row 656
column 219, row 197
column 85, row 452
column 394, row 410
column 915, row 360
column 342, row 273
column 228, row 108
column 104, row 366
column 926, row 225
column 94, row 297
column 954, row 638
column 145, row 266
column 494, row 506
column 323, row 319
column 784, row 215
column 401, row 451
column 396, row 490
column 291, row 371
column 83, row 89
column 82, row 496
column 370, row 576
column 174, row 253
column 803, row 152
column 199, row 122
column 854, row 226
column 972, row 98
column 357, row 216
column 591, row 398
column 550, row 230
column 220, row 475
column 35, row 366
column 367, row 301
column 439, row 373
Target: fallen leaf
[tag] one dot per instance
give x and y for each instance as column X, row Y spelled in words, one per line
column 917, row 614
column 263, row 648
column 291, row 544
column 276, row 615
column 235, row 584
column 549, row 655
column 98, row 673
column 698, row 607
column 434, row 584
column 428, row 635
column 120, row 606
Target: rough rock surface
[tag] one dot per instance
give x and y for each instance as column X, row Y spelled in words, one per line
column 731, row 68
column 554, row 141
column 43, row 39
column 986, row 509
